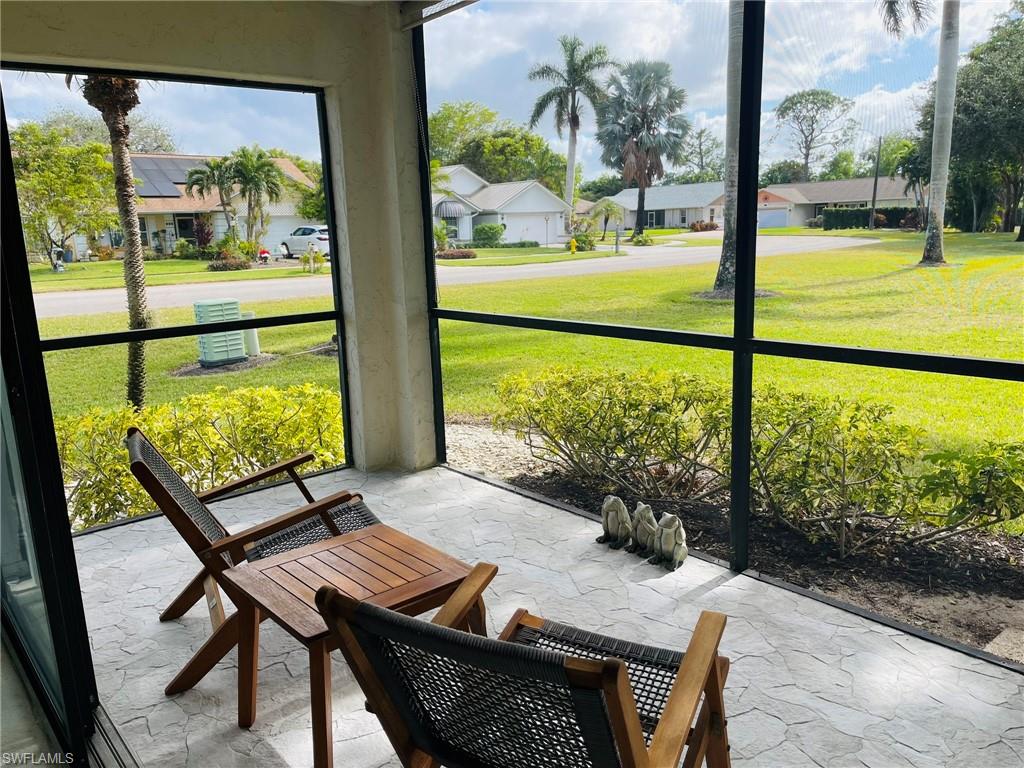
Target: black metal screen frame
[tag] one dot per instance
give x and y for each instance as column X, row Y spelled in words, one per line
column 335, row 315
column 741, row 343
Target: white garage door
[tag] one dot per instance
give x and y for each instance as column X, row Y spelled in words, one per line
column 768, row 219
column 281, row 227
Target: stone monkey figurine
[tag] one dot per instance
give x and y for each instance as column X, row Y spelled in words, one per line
column 645, row 531
column 670, row 543
column 617, row 524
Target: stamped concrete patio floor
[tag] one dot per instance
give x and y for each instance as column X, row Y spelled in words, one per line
column 811, row 685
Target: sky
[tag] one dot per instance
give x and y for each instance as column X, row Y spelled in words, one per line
column 484, row 52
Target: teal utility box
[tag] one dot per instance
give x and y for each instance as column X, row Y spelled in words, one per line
column 219, row 348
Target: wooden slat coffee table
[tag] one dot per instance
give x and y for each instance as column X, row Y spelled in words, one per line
column 377, row 564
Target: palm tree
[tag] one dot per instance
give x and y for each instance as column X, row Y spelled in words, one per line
column 725, row 279
column 439, row 180
column 641, row 126
column 114, row 98
column 606, row 211
column 577, row 80
column 215, row 174
column 258, row 178
column 896, row 15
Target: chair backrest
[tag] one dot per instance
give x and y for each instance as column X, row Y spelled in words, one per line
column 474, row 702
column 192, row 519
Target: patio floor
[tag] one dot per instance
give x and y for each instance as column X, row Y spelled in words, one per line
column 811, row 685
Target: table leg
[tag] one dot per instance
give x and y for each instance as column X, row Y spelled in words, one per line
column 248, row 661
column 320, row 699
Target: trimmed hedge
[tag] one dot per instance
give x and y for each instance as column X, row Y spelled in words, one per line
column 857, row 218
column 209, row 438
column 456, row 253
column 831, row 468
column 228, row 265
column 519, row 244
column 488, row 235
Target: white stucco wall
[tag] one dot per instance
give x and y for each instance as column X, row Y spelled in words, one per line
column 356, row 53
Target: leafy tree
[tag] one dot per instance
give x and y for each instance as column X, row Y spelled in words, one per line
column 215, row 174
column 703, row 157
column 148, row 135
column 455, row 123
column 259, row 180
column 988, row 121
column 63, row 189
column 894, row 145
column 843, row 165
column 114, row 98
column 817, row 122
column 641, row 126
column 782, row 172
column 606, row 212
column 312, row 204
column 514, row 154
column 439, row 181
column 605, row 185
column 912, row 165
column 575, row 82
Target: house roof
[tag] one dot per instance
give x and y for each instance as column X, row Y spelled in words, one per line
column 672, row 196
column 842, row 190
column 583, row 207
column 161, row 182
column 494, row 197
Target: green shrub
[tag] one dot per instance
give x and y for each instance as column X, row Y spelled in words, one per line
column 487, row 235
column 831, row 468
column 228, row 265
column 312, row 261
column 585, row 241
column 228, row 247
column 440, row 236
column 209, row 438
column 857, row 218
column 653, row 434
column 975, row 488
column 248, row 249
column 183, row 249
column 517, row 244
column 642, row 239
column 814, row 223
column 456, row 253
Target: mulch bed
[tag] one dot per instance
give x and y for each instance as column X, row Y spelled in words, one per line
column 195, row 369
column 968, row 588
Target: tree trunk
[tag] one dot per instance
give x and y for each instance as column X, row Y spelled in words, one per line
column 604, row 231
column 641, row 215
column 942, row 134
column 725, row 280
column 874, row 185
column 134, row 268
column 570, row 173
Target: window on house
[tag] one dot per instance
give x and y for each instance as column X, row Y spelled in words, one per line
column 143, row 232
column 451, row 224
column 711, row 215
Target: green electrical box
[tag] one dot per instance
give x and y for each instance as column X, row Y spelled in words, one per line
column 219, row 348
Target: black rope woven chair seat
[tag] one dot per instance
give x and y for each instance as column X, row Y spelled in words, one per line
column 350, row 516
column 652, row 671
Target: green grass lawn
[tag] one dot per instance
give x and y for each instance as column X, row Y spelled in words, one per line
column 509, row 257
column 80, row 276
column 867, row 296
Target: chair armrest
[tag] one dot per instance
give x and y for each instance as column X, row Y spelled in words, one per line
column 236, row 542
column 455, row 609
column 255, row 477
column 674, row 726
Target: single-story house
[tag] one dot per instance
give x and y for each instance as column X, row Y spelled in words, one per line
column 167, row 214
column 778, row 205
column 805, row 200
column 673, row 205
column 526, row 209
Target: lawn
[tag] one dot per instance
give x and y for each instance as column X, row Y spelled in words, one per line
column 80, row 276
column 510, row 257
column 868, row 296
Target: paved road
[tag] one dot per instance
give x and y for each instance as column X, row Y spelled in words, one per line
column 68, row 303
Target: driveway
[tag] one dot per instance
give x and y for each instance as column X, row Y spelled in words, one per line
column 70, row 303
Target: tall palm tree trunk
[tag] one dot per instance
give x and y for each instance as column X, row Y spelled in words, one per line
column 725, row 280
column 942, row 133
column 114, row 98
column 570, row 172
column 641, row 214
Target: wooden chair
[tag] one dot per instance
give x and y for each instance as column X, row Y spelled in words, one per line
column 187, row 511
column 543, row 695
